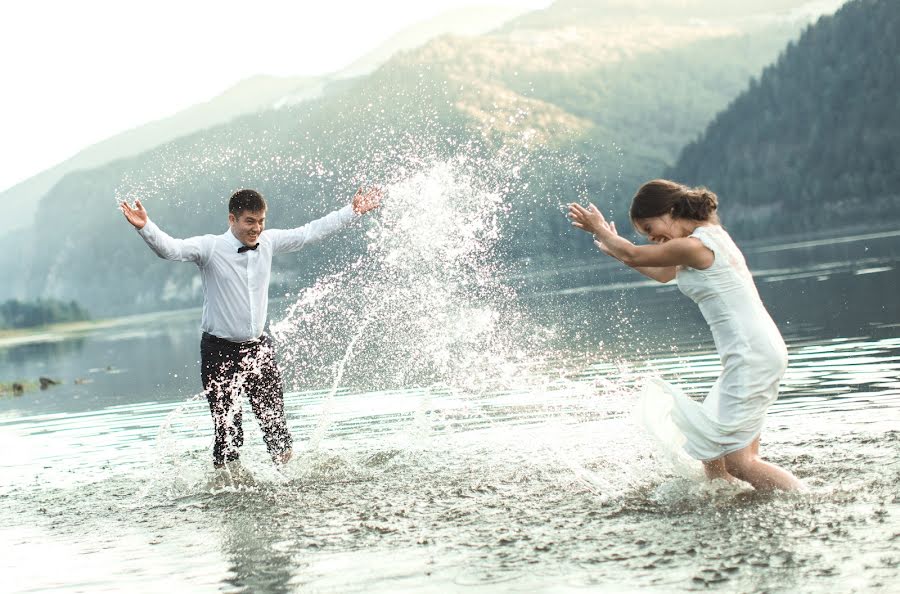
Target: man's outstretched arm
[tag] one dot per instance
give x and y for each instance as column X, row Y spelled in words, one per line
column 193, row 249
column 291, row 240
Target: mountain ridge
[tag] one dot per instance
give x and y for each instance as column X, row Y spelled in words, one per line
column 244, row 97
column 818, row 131
column 479, row 99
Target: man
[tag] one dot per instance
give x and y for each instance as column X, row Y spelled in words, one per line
column 236, row 355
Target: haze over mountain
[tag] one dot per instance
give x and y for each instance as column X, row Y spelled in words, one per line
column 464, row 22
column 595, row 12
column 555, row 106
column 247, row 96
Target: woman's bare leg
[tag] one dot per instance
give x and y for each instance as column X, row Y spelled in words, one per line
column 746, row 465
column 715, row 469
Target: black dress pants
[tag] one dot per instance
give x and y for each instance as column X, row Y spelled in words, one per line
column 229, row 369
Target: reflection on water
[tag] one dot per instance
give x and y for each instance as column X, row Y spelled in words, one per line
column 154, row 359
column 549, row 486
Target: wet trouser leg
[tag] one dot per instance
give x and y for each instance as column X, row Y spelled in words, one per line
column 263, row 387
column 227, row 369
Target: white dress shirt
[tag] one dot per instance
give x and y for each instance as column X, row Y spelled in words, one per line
column 236, row 285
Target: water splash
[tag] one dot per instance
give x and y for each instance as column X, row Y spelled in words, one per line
column 325, row 418
column 429, row 292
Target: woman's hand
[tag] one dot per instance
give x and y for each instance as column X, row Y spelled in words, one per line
column 589, row 219
column 611, row 232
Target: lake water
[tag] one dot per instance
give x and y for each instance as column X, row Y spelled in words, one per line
column 517, row 472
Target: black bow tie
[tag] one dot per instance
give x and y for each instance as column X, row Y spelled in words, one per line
column 245, row 248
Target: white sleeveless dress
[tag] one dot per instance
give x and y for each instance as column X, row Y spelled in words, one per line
column 750, row 347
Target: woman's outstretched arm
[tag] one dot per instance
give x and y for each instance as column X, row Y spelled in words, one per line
column 658, row 262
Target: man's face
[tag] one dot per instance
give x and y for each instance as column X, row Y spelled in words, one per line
column 248, row 225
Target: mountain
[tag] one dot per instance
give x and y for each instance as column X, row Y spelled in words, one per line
column 548, row 110
column 563, row 13
column 248, row 96
column 461, row 22
column 814, row 142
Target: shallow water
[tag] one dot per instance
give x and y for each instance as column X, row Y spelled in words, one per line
column 546, row 483
column 551, row 490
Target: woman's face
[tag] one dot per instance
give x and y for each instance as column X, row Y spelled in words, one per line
column 660, row 229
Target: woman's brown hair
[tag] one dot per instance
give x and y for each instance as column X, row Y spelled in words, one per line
column 661, row 196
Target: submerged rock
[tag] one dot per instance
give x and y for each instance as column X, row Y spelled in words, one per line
column 46, row 382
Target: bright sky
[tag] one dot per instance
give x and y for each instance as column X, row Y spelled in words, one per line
column 74, row 73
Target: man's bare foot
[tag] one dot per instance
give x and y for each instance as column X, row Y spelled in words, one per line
column 220, row 479
column 284, row 457
column 231, row 474
column 240, row 475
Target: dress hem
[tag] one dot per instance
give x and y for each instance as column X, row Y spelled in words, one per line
column 730, row 450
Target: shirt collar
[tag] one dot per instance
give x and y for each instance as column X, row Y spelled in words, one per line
column 231, row 239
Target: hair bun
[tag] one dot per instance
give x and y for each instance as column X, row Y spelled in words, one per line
column 698, row 204
column 660, row 197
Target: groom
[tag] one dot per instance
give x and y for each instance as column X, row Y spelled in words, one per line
column 236, row 355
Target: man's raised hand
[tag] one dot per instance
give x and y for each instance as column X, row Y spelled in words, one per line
column 136, row 215
column 367, row 199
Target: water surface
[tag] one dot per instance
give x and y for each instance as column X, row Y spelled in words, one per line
column 545, row 483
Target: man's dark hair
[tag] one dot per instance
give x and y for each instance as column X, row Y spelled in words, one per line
column 246, row 200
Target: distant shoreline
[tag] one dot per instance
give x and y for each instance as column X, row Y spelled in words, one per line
column 68, row 330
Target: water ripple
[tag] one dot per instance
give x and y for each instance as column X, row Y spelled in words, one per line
column 552, row 485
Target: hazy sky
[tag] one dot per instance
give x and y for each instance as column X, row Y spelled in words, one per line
column 74, row 73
